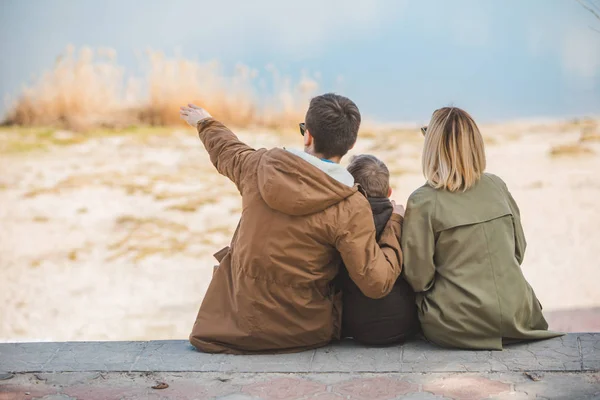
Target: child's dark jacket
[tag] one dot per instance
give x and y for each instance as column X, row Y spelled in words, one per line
column 387, row 320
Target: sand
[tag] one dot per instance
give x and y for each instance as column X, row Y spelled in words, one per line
column 111, row 238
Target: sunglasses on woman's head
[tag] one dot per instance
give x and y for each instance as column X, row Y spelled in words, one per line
column 302, row 128
column 424, row 130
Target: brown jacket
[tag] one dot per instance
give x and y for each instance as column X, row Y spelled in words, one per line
column 273, row 289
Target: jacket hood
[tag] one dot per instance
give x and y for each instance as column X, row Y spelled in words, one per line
column 293, row 183
column 382, row 212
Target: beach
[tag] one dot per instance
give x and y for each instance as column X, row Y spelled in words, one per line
column 110, row 236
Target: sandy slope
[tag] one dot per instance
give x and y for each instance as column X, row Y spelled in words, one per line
column 112, row 238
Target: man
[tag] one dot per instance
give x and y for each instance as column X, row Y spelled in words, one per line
column 302, row 216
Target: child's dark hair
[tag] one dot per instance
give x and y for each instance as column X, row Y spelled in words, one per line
column 333, row 122
column 371, row 174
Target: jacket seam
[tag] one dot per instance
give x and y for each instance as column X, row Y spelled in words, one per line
column 255, row 172
column 246, row 176
column 504, row 191
column 475, row 222
column 434, row 214
column 487, row 244
column 343, row 229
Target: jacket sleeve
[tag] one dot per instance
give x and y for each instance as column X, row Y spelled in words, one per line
column 520, row 242
column 229, row 155
column 374, row 267
column 418, row 241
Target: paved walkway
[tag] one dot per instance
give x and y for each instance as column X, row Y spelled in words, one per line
column 562, row 368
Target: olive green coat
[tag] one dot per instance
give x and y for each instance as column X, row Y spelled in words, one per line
column 462, row 255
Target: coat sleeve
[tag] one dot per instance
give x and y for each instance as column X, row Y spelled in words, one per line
column 229, row 155
column 418, row 241
column 373, row 266
column 520, row 242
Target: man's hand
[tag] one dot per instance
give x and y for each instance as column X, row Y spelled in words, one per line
column 398, row 209
column 193, row 114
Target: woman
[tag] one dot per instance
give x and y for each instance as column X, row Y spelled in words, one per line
column 463, row 245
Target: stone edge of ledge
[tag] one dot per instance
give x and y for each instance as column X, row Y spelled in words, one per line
column 575, row 352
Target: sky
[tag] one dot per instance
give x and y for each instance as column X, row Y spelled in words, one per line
column 397, row 59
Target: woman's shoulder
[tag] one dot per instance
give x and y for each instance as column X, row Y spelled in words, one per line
column 495, row 180
column 423, row 196
column 423, row 192
column 427, row 194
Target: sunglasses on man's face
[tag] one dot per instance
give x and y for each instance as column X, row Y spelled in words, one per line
column 302, row 128
column 424, row 130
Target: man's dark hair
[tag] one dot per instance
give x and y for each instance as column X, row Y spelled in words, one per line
column 333, row 122
column 371, row 174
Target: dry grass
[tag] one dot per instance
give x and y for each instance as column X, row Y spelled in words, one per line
column 129, row 220
column 570, row 150
column 79, row 92
column 490, row 140
column 165, row 195
column 392, row 139
column 367, row 134
column 535, row 185
column 141, row 237
column 590, row 132
column 114, row 180
column 588, row 129
column 19, row 139
column 18, row 147
column 396, row 171
column 514, row 136
column 71, row 183
column 88, row 89
column 144, row 237
column 194, row 203
column 72, row 256
column 590, row 138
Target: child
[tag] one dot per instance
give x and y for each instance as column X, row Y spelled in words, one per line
column 393, row 318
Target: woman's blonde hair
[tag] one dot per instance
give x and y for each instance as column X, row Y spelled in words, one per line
column 453, row 154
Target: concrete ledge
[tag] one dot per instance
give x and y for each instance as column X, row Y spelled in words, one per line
column 571, row 353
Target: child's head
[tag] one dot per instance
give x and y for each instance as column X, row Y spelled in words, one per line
column 371, row 174
column 332, row 121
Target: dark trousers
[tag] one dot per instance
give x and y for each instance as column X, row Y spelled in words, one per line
column 389, row 320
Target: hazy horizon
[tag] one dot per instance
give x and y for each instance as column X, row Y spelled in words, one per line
column 399, row 60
